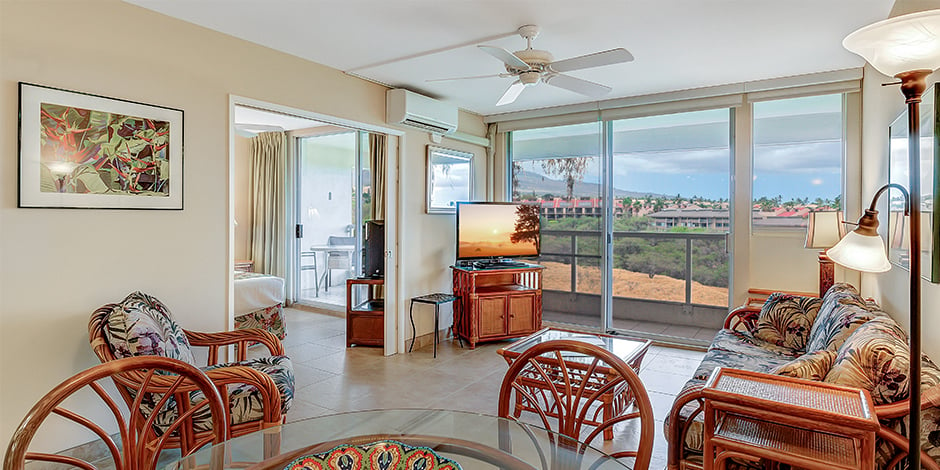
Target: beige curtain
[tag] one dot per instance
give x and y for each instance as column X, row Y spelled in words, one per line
column 378, row 148
column 266, row 240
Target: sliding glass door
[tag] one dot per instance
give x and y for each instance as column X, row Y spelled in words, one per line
column 670, row 264
column 635, row 218
column 560, row 169
column 332, row 195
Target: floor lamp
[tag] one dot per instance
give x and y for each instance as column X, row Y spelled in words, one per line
column 908, row 48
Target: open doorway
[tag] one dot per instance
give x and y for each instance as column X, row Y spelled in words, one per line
column 326, row 201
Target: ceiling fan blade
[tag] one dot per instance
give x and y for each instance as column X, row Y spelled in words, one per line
column 507, row 57
column 511, row 93
column 597, row 59
column 594, row 90
column 494, row 75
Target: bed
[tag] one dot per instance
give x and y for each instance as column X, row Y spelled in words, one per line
column 259, row 302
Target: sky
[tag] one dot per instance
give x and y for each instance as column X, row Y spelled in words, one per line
column 797, row 151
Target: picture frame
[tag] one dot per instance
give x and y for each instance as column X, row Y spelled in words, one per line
column 83, row 151
column 898, row 165
column 449, row 179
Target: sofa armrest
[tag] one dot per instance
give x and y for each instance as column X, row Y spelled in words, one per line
column 900, row 442
column 240, row 338
column 742, row 318
column 901, row 408
column 677, row 428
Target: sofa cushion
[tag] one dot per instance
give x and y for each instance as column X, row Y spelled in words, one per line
column 812, row 366
column 141, row 325
column 245, row 404
column 786, row 320
column 841, row 313
column 730, row 349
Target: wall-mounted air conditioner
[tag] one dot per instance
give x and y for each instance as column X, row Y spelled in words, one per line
column 411, row 109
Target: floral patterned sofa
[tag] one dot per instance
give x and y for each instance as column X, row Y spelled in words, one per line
column 839, row 338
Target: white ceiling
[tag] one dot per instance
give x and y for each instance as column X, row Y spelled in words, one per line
column 678, row 44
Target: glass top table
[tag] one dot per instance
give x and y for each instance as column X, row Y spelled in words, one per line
column 627, row 349
column 474, row 441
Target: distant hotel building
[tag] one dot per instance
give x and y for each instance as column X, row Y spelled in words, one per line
column 690, row 216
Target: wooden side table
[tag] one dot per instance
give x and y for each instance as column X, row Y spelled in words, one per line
column 814, row 425
column 365, row 321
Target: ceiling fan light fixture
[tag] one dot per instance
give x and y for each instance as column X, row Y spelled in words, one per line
column 530, row 78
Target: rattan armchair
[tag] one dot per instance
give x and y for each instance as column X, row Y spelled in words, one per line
column 141, row 440
column 565, row 381
column 258, row 391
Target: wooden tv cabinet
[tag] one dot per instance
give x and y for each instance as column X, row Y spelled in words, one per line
column 497, row 303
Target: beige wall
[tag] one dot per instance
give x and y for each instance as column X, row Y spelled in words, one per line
column 426, row 270
column 881, row 105
column 241, row 166
column 57, row 266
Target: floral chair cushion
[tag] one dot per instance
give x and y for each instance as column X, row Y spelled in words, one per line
column 786, row 320
column 812, row 366
column 140, row 325
column 244, row 400
column 841, row 313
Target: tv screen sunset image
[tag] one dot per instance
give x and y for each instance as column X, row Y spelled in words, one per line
column 492, row 230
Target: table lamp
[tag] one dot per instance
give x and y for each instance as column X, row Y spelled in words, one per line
column 908, row 48
column 823, row 230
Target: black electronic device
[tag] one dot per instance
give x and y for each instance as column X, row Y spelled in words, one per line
column 494, row 231
column 374, row 249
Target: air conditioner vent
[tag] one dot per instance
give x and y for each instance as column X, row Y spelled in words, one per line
column 411, row 109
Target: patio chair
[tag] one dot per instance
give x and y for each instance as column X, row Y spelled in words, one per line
column 566, row 383
column 188, row 391
column 258, row 391
column 339, row 259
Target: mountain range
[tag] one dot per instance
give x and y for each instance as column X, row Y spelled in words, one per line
column 528, row 182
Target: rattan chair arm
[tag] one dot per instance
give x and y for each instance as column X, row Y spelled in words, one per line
column 677, row 429
column 241, row 338
column 901, row 408
column 745, row 315
column 270, row 395
column 900, row 442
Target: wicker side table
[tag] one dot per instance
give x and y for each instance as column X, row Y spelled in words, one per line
column 815, row 425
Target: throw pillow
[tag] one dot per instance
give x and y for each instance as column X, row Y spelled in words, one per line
column 141, row 325
column 841, row 312
column 786, row 320
column 812, row 366
column 875, row 358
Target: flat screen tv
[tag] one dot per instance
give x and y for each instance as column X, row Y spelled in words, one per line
column 496, row 230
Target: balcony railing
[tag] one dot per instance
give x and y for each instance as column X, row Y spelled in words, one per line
column 588, row 253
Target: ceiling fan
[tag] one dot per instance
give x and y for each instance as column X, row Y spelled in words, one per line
column 531, row 66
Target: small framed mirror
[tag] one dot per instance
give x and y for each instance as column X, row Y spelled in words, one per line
column 450, row 174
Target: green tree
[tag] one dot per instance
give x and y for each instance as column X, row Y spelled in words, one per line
column 571, row 169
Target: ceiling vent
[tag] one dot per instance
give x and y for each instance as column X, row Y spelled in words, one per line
column 411, row 109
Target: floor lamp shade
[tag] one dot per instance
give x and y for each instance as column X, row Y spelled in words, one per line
column 900, row 44
column 864, row 253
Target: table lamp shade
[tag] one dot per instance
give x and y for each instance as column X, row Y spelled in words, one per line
column 864, row 253
column 901, row 44
column 824, row 229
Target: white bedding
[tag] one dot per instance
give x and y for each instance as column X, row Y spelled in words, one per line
column 256, row 291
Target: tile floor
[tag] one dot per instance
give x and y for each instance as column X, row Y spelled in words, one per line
column 330, row 378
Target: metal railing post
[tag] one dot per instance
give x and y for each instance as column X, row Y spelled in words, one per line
column 688, row 271
column 574, row 263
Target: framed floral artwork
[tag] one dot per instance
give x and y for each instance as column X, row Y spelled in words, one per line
column 78, row 150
